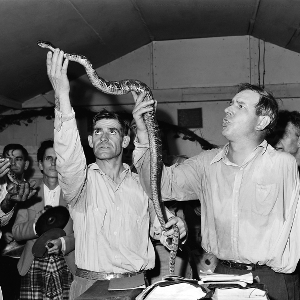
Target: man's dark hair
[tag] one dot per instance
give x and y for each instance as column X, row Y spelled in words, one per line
column 13, row 147
column 105, row 114
column 267, row 104
column 284, row 117
column 295, row 118
column 44, row 146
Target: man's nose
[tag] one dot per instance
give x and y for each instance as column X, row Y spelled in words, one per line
column 53, row 161
column 104, row 137
column 12, row 161
column 229, row 110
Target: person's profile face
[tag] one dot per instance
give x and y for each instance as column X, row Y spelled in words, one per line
column 241, row 118
column 290, row 140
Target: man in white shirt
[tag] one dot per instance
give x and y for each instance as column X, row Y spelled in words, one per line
column 110, row 209
column 48, row 277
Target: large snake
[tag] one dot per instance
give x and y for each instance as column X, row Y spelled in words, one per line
column 120, row 88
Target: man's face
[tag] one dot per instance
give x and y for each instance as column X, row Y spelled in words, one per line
column 290, row 141
column 18, row 164
column 241, row 119
column 107, row 140
column 48, row 165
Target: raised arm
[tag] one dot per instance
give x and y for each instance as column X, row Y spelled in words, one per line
column 71, row 162
column 141, row 139
column 57, row 73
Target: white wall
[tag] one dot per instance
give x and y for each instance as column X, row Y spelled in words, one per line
column 182, row 74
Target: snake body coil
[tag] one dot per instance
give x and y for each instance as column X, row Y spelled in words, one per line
column 120, row 88
column 13, row 184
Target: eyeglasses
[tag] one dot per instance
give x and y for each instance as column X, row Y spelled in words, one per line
column 51, row 159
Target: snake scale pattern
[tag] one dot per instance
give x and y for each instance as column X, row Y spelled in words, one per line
column 13, row 185
column 120, row 88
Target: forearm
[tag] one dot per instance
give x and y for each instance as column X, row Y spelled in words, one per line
column 71, row 162
column 70, row 243
column 63, row 103
column 23, row 228
column 141, row 160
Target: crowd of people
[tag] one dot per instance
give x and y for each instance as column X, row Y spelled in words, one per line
column 248, row 192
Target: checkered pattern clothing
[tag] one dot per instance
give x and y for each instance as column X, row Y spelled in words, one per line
column 48, row 278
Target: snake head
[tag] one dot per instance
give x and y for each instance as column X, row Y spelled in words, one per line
column 46, row 45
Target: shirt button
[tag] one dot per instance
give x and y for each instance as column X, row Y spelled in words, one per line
column 115, row 233
column 118, row 207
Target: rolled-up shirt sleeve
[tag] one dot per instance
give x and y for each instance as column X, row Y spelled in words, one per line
column 71, row 162
column 176, row 180
column 5, row 217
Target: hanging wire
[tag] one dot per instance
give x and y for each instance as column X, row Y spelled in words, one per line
column 258, row 65
column 264, row 64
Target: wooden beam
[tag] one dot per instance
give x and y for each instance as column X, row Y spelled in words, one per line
column 10, row 103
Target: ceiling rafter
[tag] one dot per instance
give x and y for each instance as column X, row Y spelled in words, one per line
column 4, row 101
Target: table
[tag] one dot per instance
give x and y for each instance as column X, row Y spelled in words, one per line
column 99, row 291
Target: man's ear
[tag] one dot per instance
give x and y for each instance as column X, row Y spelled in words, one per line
column 263, row 122
column 298, row 142
column 90, row 140
column 40, row 165
column 26, row 165
column 126, row 141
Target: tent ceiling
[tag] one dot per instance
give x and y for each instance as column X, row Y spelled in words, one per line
column 104, row 30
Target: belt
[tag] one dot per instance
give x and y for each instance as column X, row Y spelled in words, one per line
column 92, row 275
column 241, row 266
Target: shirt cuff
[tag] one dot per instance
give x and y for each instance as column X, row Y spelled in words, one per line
column 33, row 227
column 5, row 217
column 63, row 245
column 139, row 145
column 60, row 118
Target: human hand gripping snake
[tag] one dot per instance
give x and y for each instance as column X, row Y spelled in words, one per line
column 13, row 184
column 120, row 88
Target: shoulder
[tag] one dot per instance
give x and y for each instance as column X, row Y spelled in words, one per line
column 279, row 155
column 206, row 155
column 279, row 159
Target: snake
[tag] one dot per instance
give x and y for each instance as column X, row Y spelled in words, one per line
column 123, row 87
column 13, row 184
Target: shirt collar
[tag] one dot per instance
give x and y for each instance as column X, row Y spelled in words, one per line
column 94, row 166
column 57, row 188
column 223, row 152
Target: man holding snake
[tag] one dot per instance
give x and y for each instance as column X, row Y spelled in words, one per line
column 13, row 164
column 249, row 194
column 110, row 210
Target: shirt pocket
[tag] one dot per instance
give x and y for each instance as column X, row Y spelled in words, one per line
column 265, row 198
column 136, row 229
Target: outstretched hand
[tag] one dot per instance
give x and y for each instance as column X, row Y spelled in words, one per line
column 4, row 166
column 25, row 191
column 57, row 73
column 141, row 107
column 166, row 236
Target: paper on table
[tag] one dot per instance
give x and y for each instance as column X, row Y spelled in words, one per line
column 235, row 293
column 225, row 278
column 180, row 291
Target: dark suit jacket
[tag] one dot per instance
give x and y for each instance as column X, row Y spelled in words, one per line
column 23, row 230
